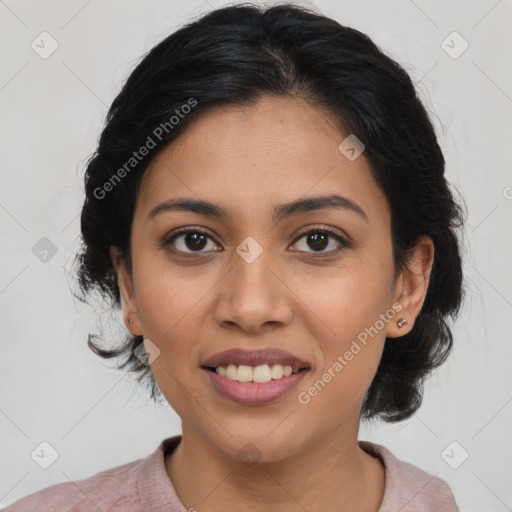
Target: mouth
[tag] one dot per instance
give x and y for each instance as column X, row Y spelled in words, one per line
column 261, row 373
column 254, row 377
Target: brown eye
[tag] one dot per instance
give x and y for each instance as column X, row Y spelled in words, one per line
column 320, row 239
column 190, row 241
column 316, row 242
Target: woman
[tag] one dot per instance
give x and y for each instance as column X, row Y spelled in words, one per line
column 268, row 205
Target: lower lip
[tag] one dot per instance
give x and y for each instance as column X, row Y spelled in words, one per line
column 255, row 393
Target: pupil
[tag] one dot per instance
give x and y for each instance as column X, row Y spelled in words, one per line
column 199, row 241
column 319, row 241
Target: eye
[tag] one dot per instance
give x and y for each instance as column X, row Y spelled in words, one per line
column 318, row 239
column 190, row 240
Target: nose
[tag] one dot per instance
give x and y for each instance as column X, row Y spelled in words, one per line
column 253, row 296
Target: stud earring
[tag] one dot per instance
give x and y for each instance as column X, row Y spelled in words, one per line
column 402, row 322
column 131, row 321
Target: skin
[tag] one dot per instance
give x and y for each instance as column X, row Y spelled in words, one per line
column 248, row 159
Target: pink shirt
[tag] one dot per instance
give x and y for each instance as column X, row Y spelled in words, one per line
column 144, row 486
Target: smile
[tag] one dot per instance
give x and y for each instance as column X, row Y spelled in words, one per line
column 261, row 373
column 254, row 385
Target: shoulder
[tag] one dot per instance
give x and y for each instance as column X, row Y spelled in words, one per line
column 409, row 488
column 111, row 490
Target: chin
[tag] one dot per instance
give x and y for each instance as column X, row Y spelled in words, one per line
column 260, row 443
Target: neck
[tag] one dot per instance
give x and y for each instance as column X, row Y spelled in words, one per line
column 334, row 474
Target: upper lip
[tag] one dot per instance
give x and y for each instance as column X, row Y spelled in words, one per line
column 254, row 358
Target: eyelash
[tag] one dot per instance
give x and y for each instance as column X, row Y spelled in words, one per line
column 315, row 229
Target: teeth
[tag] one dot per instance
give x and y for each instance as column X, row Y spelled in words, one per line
column 262, row 373
column 277, row 371
column 231, row 371
column 244, row 373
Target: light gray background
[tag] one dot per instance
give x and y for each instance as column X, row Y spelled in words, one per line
column 53, row 389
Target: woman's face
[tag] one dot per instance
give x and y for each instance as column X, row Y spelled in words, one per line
column 256, row 281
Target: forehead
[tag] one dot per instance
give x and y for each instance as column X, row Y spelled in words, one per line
column 251, row 157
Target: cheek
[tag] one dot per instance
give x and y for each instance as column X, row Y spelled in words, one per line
column 169, row 305
column 167, row 295
column 350, row 359
column 353, row 300
column 355, row 308
column 169, row 316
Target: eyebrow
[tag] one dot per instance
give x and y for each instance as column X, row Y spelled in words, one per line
column 280, row 211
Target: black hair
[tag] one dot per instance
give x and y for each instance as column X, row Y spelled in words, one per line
column 236, row 55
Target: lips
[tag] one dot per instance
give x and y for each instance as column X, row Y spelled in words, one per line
column 254, row 393
column 254, row 358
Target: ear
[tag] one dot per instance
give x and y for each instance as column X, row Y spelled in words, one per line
column 128, row 300
column 411, row 287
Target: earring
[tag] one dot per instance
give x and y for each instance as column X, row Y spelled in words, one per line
column 131, row 321
column 402, row 322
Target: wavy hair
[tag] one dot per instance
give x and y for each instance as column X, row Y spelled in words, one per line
column 236, row 55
